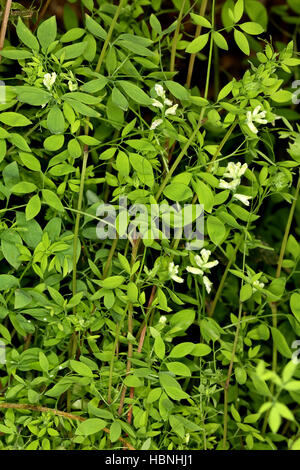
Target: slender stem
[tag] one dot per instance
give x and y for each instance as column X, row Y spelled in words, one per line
column 175, row 38
column 4, row 24
column 110, row 256
column 224, row 140
column 42, row 14
column 193, row 56
column 226, row 387
column 109, row 34
column 222, row 282
column 43, row 409
column 130, row 327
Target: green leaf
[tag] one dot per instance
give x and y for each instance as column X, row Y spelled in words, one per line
column 241, row 41
column 133, row 381
column 216, row 229
column 112, row 282
column 295, row 305
column 115, row 431
column 33, row 95
column 159, row 347
column 73, row 51
column 9, row 241
column 26, row 36
column 44, row 363
column 95, row 85
column 281, row 96
column 72, row 35
column 204, row 194
column 201, row 21
column 172, row 387
column 81, row 368
column 52, row 200
column 54, row 142
column 31, row 162
column 280, row 343
column 200, row 350
column 135, row 93
column 220, row 41
column 198, row 44
column 23, row 188
column 238, row 10
column 11, row 53
column 177, row 90
column 178, row 368
column 143, row 168
column 90, row 426
column 182, row 350
column 93, row 27
column 14, row 119
column 33, row 207
column 246, row 292
column 56, row 121
column 46, row 32
column 8, row 281
column 225, row 91
column 178, row 192
column 252, row 28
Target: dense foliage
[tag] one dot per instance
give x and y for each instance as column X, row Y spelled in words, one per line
column 134, row 341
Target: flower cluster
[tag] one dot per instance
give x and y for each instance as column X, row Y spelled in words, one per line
column 203, row 264
column 164, row 104
column 235, row 171
column 50, row 78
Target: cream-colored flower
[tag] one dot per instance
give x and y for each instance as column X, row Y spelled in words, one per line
column 156, row 123
column 72, row 86
column 244, row 199
column 173, row 271
column 160, row 90
column 255, row 116
column 171, row 111
column 168, row 102
column 202, row 261
column 157, row 104
column 193, row 270
column 257, row 285
column 232, row 185
column 49, row 80
column 207, row 283
column 235, row 170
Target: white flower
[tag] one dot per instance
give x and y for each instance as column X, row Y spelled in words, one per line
column 72, row 86
column 49, row 80
column 255, row 116
column 256, row 284
column 173, row 271
column 232, row 185
column 160, row 90
column 192, row 270
column 162, row 319
column 244, row 199
column 168, row 102
column 202, row 261
column 156, row 123
column 157, row 104
column 172, row 110
column 207, row 283
column 235, row 170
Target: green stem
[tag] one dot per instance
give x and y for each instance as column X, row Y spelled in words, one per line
column 222, row 282
column 175, row 39
column 193, row 56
